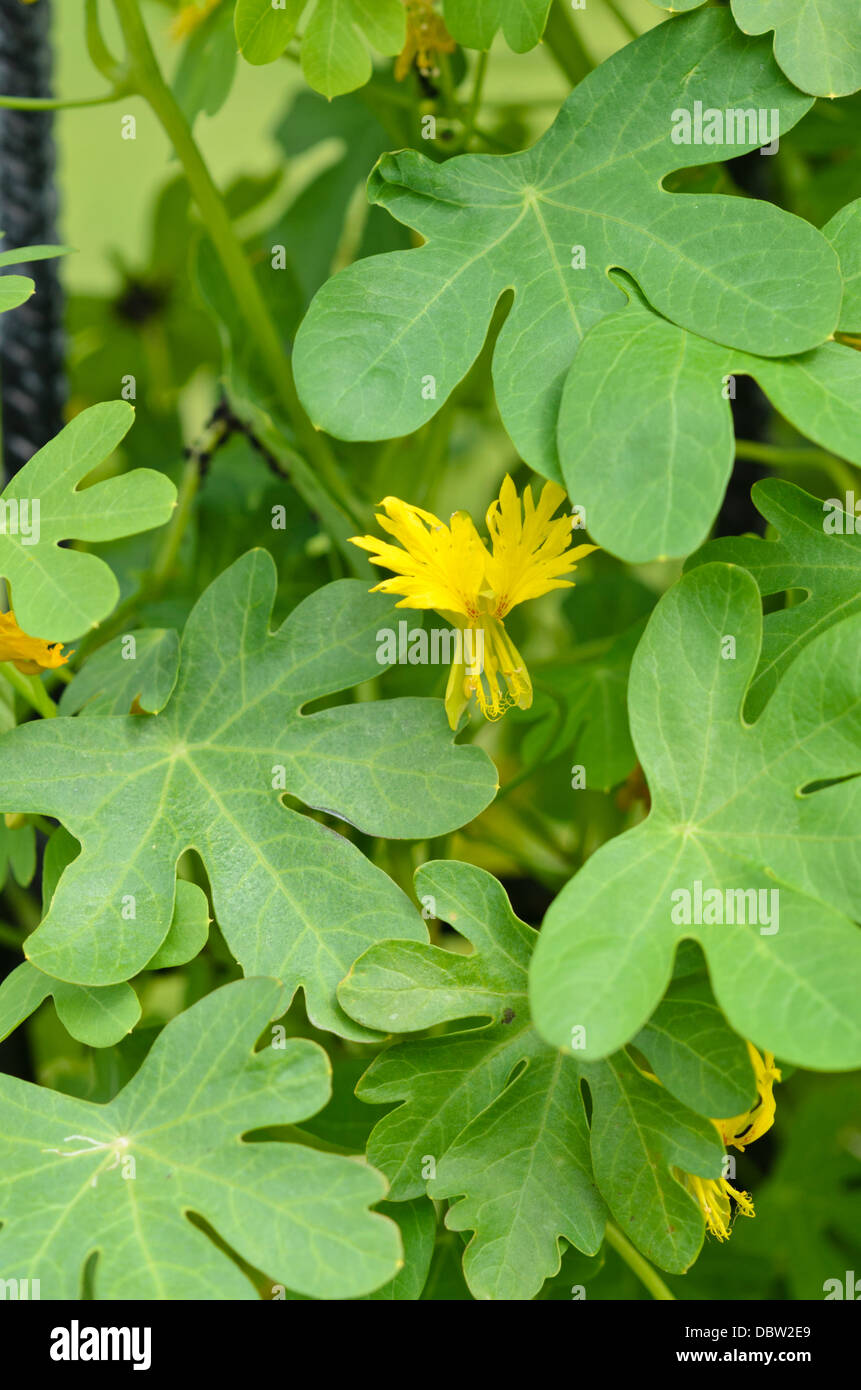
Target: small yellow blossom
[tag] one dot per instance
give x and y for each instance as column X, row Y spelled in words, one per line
column 426, row 36
column 191, row 16
column 29, row 654
column 473, row 587
column 713, row 1194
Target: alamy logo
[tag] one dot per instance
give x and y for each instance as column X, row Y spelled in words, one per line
column 76, row 1343
column 19, row 1288
column 20, row 519
column 442, row 646
column 842, row 518
column 727, row 907
column 734, row 126
column 847, row 1287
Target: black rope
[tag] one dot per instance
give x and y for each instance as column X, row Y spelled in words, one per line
column 32, row 378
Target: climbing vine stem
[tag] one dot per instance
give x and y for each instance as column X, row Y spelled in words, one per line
column 145, row 78
column 648, row 1277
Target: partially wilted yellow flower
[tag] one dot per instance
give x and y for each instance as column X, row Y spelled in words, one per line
column 714, row 1194
column 426, row 36
column 29, row 654
column 451, row 570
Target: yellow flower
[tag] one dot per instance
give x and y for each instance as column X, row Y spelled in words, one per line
column 190, row 17
column 451, row 570
column 426, row 36
column 713, row 1194
column 29, row 654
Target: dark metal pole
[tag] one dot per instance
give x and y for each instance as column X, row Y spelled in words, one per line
column 32, row 379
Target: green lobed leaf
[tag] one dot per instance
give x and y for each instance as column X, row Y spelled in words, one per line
column 387, row 339
column 695, row 1055
column 137, row 666
column 59, row 593
column 735, row 806
column 500, row 1113
column 816, row 42
column 68, row 1188
column 293, row 899
column 417, row 1223
column 800, row 556
column 646, row 416
column 335, row 40
column 207, row 66
column 100, row 1015
column 264, row 31
column 475, row 23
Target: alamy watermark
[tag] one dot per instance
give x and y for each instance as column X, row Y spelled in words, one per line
column 20, row 518
column 842, row 518
column 735, row 125
column 441, row 646
column 727, row 907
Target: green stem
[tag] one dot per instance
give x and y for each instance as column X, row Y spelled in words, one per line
column 31, row 688
column 647, row 1276
column 56, row 104
column 146, row 77
column 100, row 55
column 446, row 81
column 565, row 45
column 169, row 549
column 475, row 99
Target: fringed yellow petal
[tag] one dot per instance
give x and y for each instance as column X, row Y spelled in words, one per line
column 713, row 1197
column 530, row 550
column 426, row 37
column 450, row 569
column 439, row 566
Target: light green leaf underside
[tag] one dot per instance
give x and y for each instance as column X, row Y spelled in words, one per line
column 58, row 593
column 68, row 1188
column 500, row 1113
column 293, row 899
column 737, row 271
column 729, row 811
column 800, row 555
column 335, row 39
